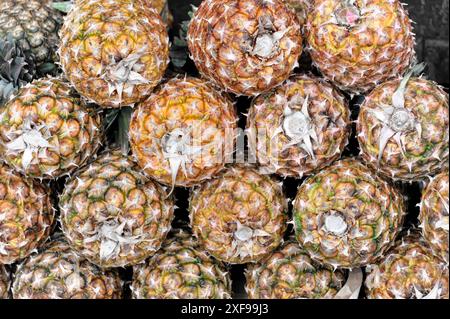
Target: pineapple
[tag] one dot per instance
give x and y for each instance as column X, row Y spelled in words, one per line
column 289, row 273
column 16, row 69
column 358, row 44
column 114, row 52
column 181, row 270
column 46, row 131
column 240, row 216
column 408, row 271
column 112, row 214
column 347, row 217
column 183, row 134
column 57, row 272
column 245, row 46
column 299, row 127
column 5, row 282
column 34, row 24
column 403, row 128
column 302, row 8
column 434, row 215
column 26, row 215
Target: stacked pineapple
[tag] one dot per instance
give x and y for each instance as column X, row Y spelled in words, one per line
column 116, row 207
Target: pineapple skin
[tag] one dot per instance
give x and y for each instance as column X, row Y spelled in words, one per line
column 408, row 267
column 5, row 283
column 112, row 214
column 425, row 154
column 27, row 215
column 289, row 273
column 108, row 56
column 346, row 216
column 71, row 130
column 359, row 56
column 330, row 117
column 57, row 272
column 240, row 216
column 232, row 44
column 181, row 270
column 34, row 24
column 197, row 109
column 434, row 213
column 301, row 8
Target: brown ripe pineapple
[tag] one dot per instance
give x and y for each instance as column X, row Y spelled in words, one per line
column 245, row 46
column 114, row 52
column 183, row 134
column 240, row 216
column 47, row 131
column 346, row 216
column 434, row 212
column 26, row 215
column 289, row 273
column 181, row 270
column 112, row 214
column 57, row 272
column 408, row 271
column 358, row 44
column 403, row 128
column 300, row 127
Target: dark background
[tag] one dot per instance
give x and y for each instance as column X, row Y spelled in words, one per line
column 432, row 36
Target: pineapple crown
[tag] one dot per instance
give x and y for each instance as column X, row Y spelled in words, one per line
column 16, row 68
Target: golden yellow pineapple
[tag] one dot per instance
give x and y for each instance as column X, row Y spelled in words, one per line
column 358, row 44
column 408, row 271
column 289, row 273
column 434, row 212
column 114, row 52
column 26, row 215
column 403, row 128
column 184, row 133
column 5, row 282
column 245, row 46
column 57, row 272
column 299, row 127
column 181, row 270
column 240, row 216
column 112, row 214
column 346, row 216
column 46, row 131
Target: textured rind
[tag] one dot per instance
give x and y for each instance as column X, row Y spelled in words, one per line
column 380, row 46
column 372, row 209
column 330, row 116
column 99, row 33
column 301, row 8
column 426, row 154
column 194, row 106
column 289, row 273
column 26, row 215
column 242, row 196
column 5, row 282
column 434, row 212
column 410, row 265
column 218, row 35
column 113, row 192
column 72, row 130
column 181, row 270
column 57, row 272
column 34, row 24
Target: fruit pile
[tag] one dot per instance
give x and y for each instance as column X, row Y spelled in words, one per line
column 128, row 170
